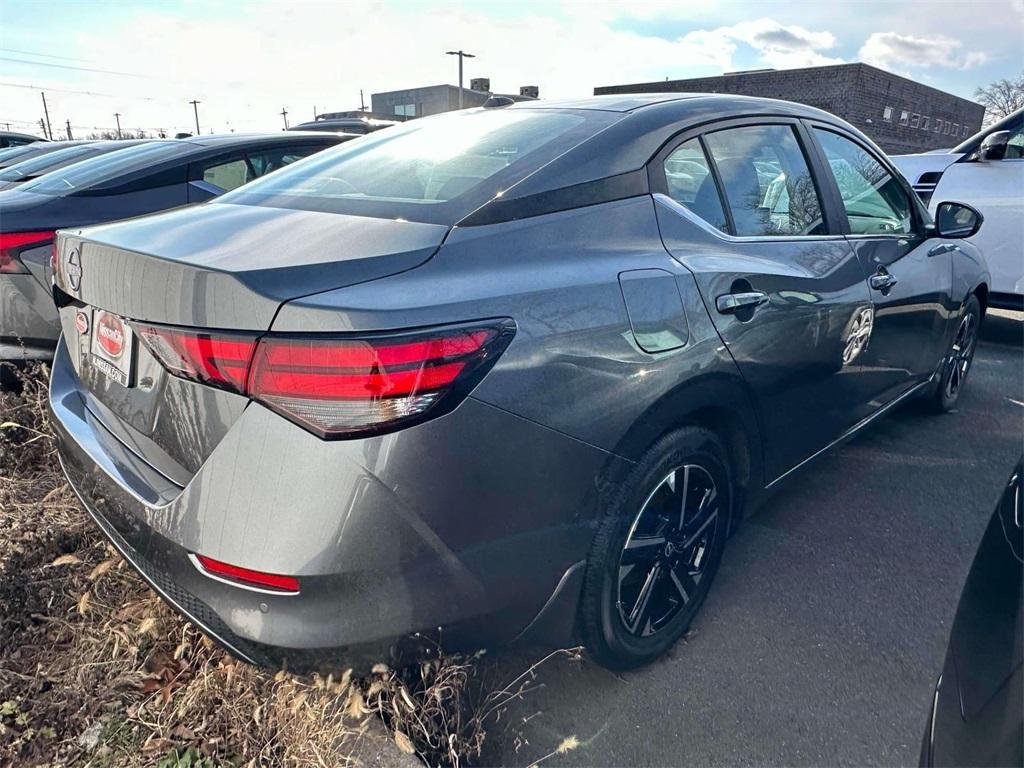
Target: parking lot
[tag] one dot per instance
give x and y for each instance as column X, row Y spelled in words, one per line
column 826, row 628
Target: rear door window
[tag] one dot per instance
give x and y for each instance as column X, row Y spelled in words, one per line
column 875, row 202
column 227, row 174
column 766, row 181
column 266, row 161
column 690, row 183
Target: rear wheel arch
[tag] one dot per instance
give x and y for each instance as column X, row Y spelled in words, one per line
column 719, row 404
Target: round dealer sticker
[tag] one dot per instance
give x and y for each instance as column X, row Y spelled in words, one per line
column 110, row 335
column 82, row 322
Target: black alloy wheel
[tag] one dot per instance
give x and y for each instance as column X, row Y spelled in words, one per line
column 657, row 549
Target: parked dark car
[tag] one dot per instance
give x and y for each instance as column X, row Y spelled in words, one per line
column 26, row 170
column 359, row 125
column 23, row 152
column 141, row 179
column 490, row 372
column 977, row 712
column 15, row 139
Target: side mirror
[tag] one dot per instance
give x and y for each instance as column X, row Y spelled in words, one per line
column 994, row 146
column 957, row 220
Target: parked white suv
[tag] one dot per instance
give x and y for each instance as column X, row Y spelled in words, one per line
column 986, row 172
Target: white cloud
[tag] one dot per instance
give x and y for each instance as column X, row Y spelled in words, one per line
column 891, row 50
column 778, row 45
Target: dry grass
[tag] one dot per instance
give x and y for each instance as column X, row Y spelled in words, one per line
column 96, row 671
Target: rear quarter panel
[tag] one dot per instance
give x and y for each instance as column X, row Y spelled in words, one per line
column 574, row 365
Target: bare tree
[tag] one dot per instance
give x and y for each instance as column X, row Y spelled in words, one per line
column 1001, row 98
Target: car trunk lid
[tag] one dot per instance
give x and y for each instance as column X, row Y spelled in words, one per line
column 225, row 268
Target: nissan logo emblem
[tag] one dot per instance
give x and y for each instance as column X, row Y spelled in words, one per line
column 74, row 270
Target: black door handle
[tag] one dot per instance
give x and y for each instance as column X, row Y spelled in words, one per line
column 730, row 303
column 882, row 281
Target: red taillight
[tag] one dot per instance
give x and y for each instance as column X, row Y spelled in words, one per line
column 338, row 386
column 247, row 576
column 335, row 387
column 220, row 360
column 12, row 242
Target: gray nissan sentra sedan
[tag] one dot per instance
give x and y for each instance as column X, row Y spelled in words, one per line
column 507, row 374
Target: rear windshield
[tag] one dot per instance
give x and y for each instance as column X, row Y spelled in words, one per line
column 94, row 171
column 11, row 154
column 435, row 169
column 39, row 164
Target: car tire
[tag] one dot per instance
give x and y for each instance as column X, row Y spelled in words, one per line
column 956, row 364
column 688, row 469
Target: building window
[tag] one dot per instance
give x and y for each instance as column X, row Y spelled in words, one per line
column 406, row 110
column 904, row 117
column 945, row 127
column 965, row 134
column 915, row 121
column 887, row 114
column 956, row 129
column 938, row 125
column 925, row 122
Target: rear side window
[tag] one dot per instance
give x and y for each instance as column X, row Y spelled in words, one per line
column 227, row 175
column 875, row 202
column 274, row 159
column 766, row 181
column 691, row 184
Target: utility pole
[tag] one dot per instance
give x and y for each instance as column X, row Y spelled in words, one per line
column 42, row 126
column 117, row 117
column 284, row 114
column 49, row 130
column 195, row 108
column 68, row 124
column 362, row 101
column 462, row 55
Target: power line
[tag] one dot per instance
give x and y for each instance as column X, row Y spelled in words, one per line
column 78, row 69
column 47, row 55
column 84, row 93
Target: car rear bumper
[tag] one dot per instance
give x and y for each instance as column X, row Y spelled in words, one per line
column 389, row 536
column 29, row 324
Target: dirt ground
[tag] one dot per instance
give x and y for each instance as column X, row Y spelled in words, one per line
column 96, row 671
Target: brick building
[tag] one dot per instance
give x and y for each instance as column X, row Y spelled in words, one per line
column 434, row 99
column 901, row 115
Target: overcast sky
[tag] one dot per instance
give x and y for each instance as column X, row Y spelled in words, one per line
column 245, row 61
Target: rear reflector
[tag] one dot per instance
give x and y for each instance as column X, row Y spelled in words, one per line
column 338, row 386
column 246, row 576
column 12, row 243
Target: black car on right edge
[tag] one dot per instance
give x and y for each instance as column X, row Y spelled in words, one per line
column 977, row 715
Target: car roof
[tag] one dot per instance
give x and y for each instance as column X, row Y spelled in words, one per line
column 248, row 139
column 17, row 135
column 648, row 121
column 678, row 104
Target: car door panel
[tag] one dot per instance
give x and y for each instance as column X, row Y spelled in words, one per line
column 791, row 349
column 909, row 274
column 784, row 289
column 911, row 317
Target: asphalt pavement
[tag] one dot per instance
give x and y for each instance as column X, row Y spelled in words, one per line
column 827, row 625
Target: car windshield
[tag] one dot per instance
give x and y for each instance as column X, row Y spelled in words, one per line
column 414, row 170
column 37, row 165
column 94, row 171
